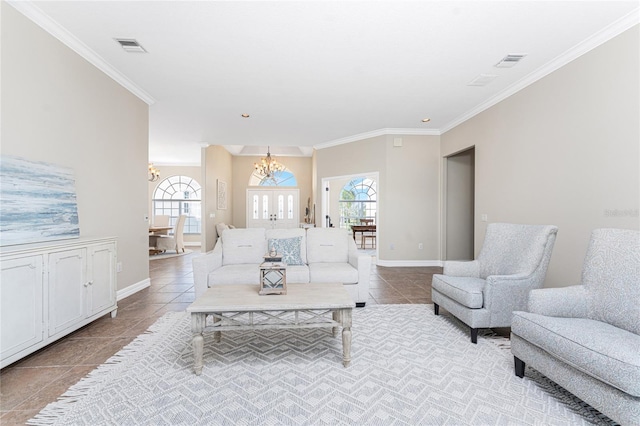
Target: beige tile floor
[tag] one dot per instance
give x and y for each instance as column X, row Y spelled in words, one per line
column 31, row 383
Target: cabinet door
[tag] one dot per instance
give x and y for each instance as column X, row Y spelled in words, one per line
column 67, row 288
column 21, row 315
column 102, row 278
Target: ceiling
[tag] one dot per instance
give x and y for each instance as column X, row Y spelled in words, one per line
column 318, row 73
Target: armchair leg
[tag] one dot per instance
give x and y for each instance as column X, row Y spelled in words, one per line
column 436, row 309
column 474, row 335
column 519, row 366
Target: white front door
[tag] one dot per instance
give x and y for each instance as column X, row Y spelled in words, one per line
column 273, row 208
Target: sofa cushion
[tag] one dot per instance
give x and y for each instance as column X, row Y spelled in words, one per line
column 291, row 233
column 608, row 353
column 297, row 274
column 467, row 291
column 246, row 245
column 329, row 245
column 288, row 248
column 332, row 273
column 247, row 273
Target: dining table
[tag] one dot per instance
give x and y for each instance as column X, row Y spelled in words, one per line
column 362, row 229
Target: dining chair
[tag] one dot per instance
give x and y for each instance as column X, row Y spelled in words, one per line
column 368, row 235
column 175, row 242
column 161, row 220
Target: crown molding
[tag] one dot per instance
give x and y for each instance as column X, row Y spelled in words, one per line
column 44, row 21
column 602, row 36
column 376, row 133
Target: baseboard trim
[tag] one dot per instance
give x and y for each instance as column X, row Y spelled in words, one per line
column 408, row 263
column 132, row 289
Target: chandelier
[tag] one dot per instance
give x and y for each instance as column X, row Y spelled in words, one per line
column 154, row 173
column 268, row 165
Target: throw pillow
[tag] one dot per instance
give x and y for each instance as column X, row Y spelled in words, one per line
column 289, row 248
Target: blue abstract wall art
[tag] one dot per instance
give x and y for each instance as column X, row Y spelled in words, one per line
column 37, row 202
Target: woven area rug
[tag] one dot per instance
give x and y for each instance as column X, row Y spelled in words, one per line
column 408, row 367
column 169, row 254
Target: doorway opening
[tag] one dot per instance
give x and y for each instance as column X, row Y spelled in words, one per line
column 459, row 205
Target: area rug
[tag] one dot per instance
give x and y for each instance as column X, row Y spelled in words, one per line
column 168, row 255
column 408, row 367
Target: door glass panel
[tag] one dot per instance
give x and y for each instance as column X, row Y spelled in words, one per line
column 290, row 207
column 256, row 207
column 280, row 206
column 265, row 207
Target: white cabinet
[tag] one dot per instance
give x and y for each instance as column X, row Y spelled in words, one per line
column 49, row 290
column 21, row 297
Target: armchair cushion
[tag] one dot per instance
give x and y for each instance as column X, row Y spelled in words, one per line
column 611, row 272
column 608, row 353
column 467, row 291
column 511, row 248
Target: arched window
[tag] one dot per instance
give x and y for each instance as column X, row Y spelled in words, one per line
column 283, row 178
column 178, row 195
column 358, row 200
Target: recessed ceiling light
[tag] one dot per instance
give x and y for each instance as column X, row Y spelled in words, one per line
column 426, row 120
column 245, row 115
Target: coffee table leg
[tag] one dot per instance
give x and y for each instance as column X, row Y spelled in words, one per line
column 197, row 327
column 336, row 318
column 345, row 315
column 216, row 334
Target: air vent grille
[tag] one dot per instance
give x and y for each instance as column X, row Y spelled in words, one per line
column 130, row 45
column 509, row 61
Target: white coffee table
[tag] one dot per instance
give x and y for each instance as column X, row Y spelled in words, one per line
column 240, row 307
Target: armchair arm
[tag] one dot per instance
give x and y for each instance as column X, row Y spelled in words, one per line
column 504, row 294
column 568, row 302
column 462, row 269
column 203, row 265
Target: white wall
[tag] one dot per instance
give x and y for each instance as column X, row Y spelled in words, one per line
column 216, row 165
column 408, row 192
column 563, row 151
column 58, row 108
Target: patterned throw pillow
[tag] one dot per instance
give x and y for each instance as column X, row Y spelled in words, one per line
column 289, row 248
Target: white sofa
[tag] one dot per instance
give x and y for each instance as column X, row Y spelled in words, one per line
column 314, row 255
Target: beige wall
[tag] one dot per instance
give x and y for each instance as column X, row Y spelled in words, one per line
column 216, row 165
column 408, row 192
column 166, row 171
column 301, row 167
column 58, row 108
column 563, row 151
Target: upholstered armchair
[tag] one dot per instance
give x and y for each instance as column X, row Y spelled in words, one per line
column 175, row 242
column 586, row 338
column 484, row 293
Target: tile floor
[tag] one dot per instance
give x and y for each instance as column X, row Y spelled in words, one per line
column 31, row 383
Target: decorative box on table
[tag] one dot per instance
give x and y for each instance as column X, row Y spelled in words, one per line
column 273, row 275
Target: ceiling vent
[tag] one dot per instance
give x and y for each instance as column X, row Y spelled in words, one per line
column 482, row 80
column 130, row 45
column 509, row 61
